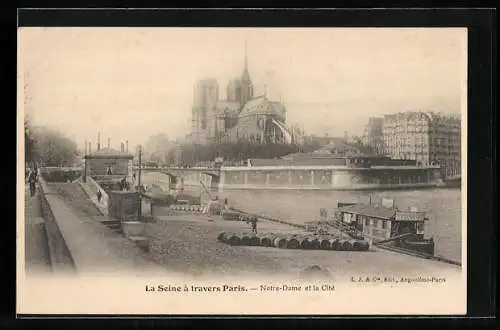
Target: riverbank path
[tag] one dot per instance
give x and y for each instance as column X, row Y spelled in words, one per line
column 37, row 257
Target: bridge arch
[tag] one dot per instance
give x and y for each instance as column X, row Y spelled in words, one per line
column 155, row 177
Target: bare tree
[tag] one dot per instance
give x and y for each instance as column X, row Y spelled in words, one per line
column 53, row 148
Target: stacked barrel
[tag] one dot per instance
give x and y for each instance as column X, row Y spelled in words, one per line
column 303, row 242
column 188, row 208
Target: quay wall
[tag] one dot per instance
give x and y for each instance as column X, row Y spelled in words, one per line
column 60, row 255
column 91, row 187
column 328, row 178
column 79, row 244
column 319, row 177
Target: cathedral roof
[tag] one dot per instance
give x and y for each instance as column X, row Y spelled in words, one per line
column 260, row 106
column 232, row 107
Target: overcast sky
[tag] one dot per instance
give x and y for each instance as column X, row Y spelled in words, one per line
column 131, row 83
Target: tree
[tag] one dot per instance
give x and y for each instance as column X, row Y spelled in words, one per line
column 29, row 145
column 53, row 148
column 157, row 148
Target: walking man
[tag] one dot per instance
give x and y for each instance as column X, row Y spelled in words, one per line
column 123, row 183
column 254, row 225
column 32, row 182
column 99, row 196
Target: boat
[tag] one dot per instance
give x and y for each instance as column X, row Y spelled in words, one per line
column 385, row 224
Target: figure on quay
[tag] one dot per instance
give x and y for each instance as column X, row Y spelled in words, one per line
column 32, row 179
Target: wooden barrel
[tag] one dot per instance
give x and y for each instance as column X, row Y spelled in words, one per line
column 292, row 243
column 280, row 242
column 221, row 237
column 254, row 241
column 345, row 245
column 357, row 245
column 232, row 239
column 245, row 240
column 334, row 244
column 304, row 243
column 266, row 241
column 315, row 243
column 354, row 244
column 365, row 246
column 325, row 244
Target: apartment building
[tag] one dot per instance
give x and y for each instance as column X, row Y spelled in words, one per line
column 427, row 137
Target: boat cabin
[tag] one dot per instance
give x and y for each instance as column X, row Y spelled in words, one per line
column 377, row 223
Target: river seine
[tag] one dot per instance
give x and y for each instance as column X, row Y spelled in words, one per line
column 442, row 206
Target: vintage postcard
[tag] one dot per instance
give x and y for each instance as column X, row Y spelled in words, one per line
column 242, row 171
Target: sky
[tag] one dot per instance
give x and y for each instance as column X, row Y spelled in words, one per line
column 131, row 83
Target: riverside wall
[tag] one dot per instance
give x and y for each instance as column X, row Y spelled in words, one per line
column 328, row 177
column 80, row 244
column 60, row 256
column 319, row 177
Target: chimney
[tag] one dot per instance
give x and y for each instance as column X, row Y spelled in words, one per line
column 90, row 147
column 126, row 146
column 109, row 142
column 122, row 147
column 98, row 141
column 86, row 145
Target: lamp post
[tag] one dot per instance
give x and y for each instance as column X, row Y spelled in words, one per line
column 140, row 165
column 85, row 163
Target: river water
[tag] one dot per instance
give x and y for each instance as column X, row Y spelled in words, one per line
column 442, row 206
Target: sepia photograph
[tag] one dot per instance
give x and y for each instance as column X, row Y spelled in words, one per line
column 242, row 170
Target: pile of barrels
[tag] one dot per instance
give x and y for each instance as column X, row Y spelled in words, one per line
column 187, row 208
column 303, row 242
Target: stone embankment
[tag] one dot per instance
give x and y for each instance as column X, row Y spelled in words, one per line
column 36, row 249
column 80, row 243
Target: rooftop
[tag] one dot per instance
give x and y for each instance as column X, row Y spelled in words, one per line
column 260, row 106
column 383, row 213
column 369, row 210
column 109, row 153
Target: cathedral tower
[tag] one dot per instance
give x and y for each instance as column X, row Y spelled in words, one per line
column 206, row 95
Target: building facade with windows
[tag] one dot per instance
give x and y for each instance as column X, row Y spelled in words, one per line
column 427, row 137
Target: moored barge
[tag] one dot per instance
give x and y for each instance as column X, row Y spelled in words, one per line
column 385, row 223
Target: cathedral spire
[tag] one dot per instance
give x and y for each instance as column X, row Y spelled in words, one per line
column 246, row 92
column 246, row 76
column 246, row 57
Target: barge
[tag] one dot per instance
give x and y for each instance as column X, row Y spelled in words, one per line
column 385, row 224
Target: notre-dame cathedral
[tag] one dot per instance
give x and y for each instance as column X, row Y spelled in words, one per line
column 241, row 116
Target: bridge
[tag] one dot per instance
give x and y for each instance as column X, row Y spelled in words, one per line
column 180, row 171
column 173, row 175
